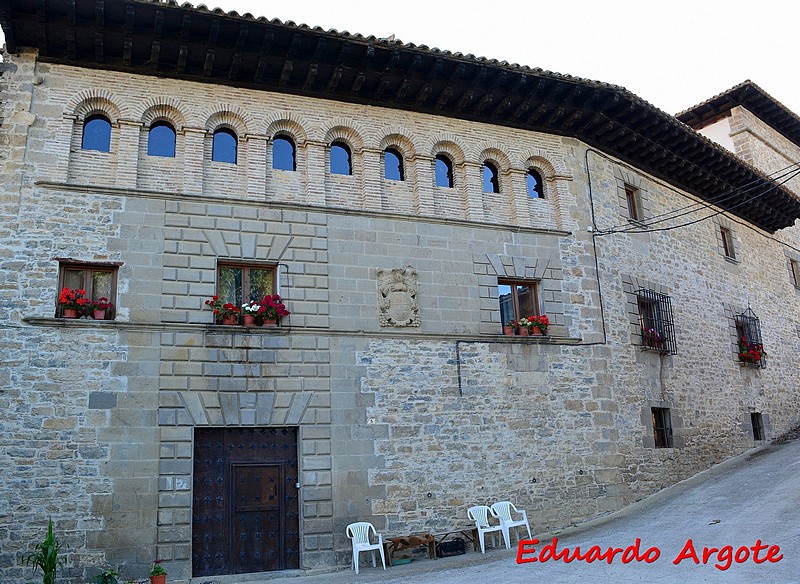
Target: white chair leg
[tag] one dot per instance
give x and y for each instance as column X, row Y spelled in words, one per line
column 507, row 537
column 483, row 543
column 373, row 558
column 355, row 561
column 528, row 527
column 383, row 559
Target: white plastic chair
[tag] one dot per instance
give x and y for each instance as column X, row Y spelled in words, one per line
column 480, row 515
column 502, row 510
column 359, row 533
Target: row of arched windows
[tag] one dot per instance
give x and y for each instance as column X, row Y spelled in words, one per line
column 161, row 142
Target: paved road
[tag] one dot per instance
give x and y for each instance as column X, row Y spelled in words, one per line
column 750, row 498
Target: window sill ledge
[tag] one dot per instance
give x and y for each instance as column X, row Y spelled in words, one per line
column 731, row 260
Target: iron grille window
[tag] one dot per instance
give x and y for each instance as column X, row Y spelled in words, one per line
column 655, row 320
column 758, row 425
column 750, row 348
column 662, row 427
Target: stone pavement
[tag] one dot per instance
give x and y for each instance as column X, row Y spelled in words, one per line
column 755, row 496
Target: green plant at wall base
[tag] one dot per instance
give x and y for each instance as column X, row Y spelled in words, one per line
column 158, row 569
column 45, row 558
column 107, row 576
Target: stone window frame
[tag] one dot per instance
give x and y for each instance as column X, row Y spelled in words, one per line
column 546, row 271
column 534, row 285
column 631, row 285
column 67, row 264
column 676, row 425
column 247, row 265
column 726, row 238
column 733, row 314
column 793, row 267
column 626, row 182
column 655, row 312
column 757, row 425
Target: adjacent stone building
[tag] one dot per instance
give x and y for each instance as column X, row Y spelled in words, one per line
column 404, row 202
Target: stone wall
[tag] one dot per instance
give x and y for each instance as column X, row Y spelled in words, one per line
column 404, row 426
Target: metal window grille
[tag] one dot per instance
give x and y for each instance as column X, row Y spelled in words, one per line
column 662, row 427
column 758, row 425
column 655, row 319
column 748, row 338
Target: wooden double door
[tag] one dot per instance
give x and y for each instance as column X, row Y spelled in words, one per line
column 245, row 501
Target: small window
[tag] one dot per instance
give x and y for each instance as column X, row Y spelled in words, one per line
column 517, row 300
column 341, row 162
column 727, row 243
column 535, row 184
column 794, row 269
column 655, row 321
column 749, row 347
column 284, row 156
column 491, row 181
column 240, row 283
column 96, row 134
column 97, row 280
column 662, row 427
column 634, row 204
column 443, row 171
column 758, row 425
column 224, row 146
column 161, row 140
column 393, row 165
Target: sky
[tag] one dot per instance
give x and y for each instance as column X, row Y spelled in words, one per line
column 673, row 53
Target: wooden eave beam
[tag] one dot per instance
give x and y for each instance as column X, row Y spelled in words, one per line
column 155, row 47
column 41, row 26
column 211, row 52
column 99, row 30
column 266, row 46
column 70, row 36
column 236, row 60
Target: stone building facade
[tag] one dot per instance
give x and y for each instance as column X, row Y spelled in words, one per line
column 389, row 394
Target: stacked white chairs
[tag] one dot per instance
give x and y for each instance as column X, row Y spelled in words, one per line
column 503, row 511
column 359, row 533
column 480, row 515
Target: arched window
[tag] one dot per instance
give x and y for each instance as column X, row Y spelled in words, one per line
column 393, row 165
column 340, row 159
column 161, row 140
column 535, row 184
column 444, row 172
column 283, row 153
column 96, row 133
column 224, row 146
column 491, row 182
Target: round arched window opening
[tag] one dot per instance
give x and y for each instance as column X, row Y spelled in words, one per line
column 96, row 133
column 161, row 140
column 224, row 147
column 491, row 181
column 340, row 159
column 284, row 155
column 535, row 184
column 393, row 165
column 443, row 171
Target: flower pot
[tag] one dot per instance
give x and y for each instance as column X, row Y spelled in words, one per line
column 508, row 331
column 536, row 332
column 271, row 322
column 162, row 579
column 70, row 313
column 99, row 314
column 230, row 320
column 248, row 320
column 523, row 331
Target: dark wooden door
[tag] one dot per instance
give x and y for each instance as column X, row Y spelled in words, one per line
column 245, row 501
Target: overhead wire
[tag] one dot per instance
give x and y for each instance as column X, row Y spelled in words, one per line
column 710, row 202
column 645, row 227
